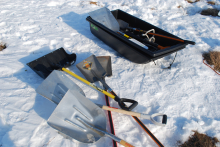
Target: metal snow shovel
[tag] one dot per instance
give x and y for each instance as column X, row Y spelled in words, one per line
column 79, row 118
column 93, row 71
column 58, row 60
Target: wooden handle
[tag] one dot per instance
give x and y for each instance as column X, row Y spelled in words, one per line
column 121, row 111
column 124, row 143
column 166, row 37
column 162, row 47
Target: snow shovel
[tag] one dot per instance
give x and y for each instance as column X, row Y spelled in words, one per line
column 79, row 118
column 52, row 61
column 125, row 25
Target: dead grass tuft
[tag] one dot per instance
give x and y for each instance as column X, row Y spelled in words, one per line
column 199, row 140
column 213, row 58
column 93, row 3
column 2, row 46
column 211, row 2
column 192, row 1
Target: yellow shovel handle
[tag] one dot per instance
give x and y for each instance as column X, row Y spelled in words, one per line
column 88, row 83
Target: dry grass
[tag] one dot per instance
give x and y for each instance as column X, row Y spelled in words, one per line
column 213, row 58
column 199, row 140
column 191, row 1
column 2, row 46
column 93, row 3
column 211, row 2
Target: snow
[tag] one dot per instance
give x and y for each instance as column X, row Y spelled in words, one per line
column 188, row 92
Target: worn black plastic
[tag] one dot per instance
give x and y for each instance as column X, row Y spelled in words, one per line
column 127, row 48
column 55, row 60
column 164, row 120
column 122, row 102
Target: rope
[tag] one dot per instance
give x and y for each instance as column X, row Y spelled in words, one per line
column 210, row 67
column 48, row 142
column 152, row 39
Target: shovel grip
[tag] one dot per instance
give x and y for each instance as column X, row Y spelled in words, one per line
column 121, row 102
column 124, row 143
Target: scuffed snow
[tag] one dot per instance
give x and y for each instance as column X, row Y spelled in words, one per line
column 188, row 93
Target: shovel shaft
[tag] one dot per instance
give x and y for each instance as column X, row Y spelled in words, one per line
column 88, row 83
column 145, row 128
column 124, row 143
column 121, row 111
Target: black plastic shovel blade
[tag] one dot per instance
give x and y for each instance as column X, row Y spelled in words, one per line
column 55, row 60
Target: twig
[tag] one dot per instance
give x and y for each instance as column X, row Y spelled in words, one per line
column 210, row 67
column 48, row 142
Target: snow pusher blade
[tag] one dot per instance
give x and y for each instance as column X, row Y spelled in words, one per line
column 43, row 66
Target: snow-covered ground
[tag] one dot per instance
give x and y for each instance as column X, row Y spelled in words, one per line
column 188, row 93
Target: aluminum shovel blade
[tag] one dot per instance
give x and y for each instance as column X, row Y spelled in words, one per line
column 106, row 63
column 93, row 70
column 55, row 86
column 74, row 105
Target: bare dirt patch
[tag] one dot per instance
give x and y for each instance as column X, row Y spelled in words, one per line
column 2, row 46
column 192, row 1
column 93, row 3
column 199, row 140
